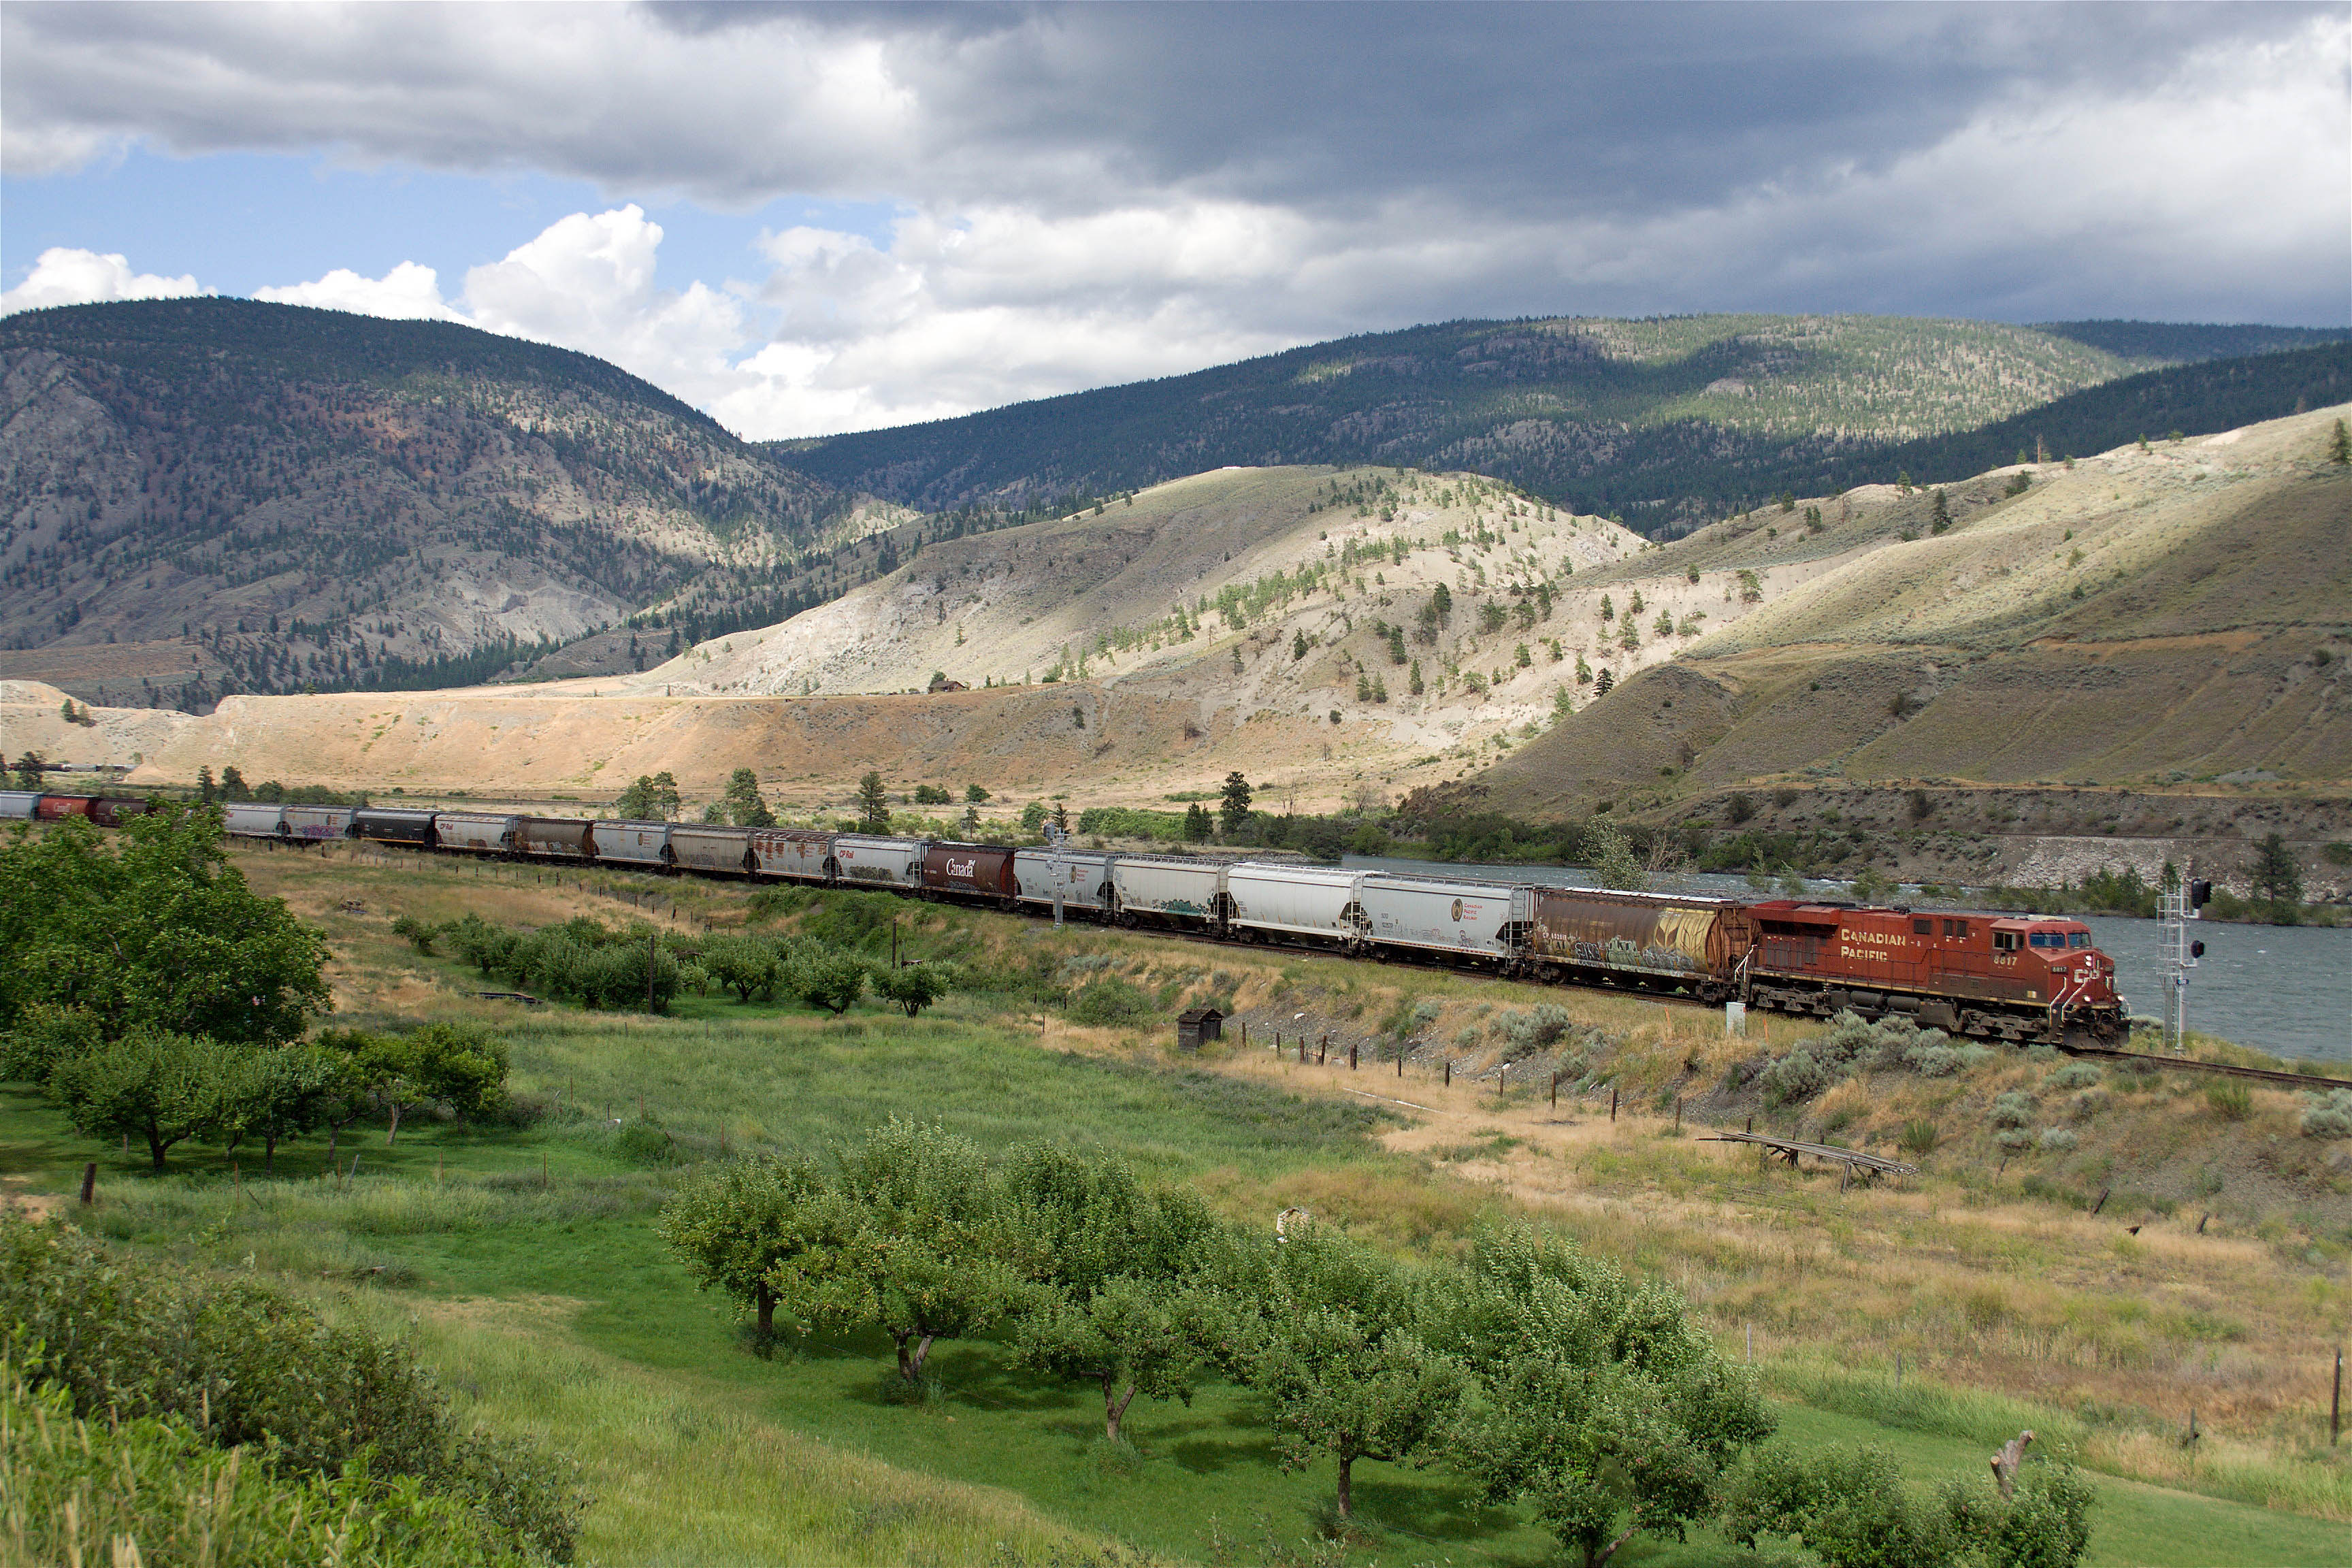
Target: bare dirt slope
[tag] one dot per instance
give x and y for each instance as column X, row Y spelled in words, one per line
column 2158, row 616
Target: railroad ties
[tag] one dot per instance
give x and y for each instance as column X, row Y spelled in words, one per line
column 1872, row 1166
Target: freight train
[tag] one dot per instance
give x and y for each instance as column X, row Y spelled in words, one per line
column 2018, row 978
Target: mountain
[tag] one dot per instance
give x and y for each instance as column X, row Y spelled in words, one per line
column 2173, row 615
column 1666, row 422
column 211, row 495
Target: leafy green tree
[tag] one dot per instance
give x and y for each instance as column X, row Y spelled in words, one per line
column 158, row 1087
column 2276, row 877
column 744, row 803
column 1610, row 856
column 461, row 1066
column 975, row 796
column 1235, row 810
column 1851, row 1508
column 912, row 1241
column 873, row 804
column 152, row 929
column 1122, row 1305
column 28, row 770
column 1032, row 816
column 914, row 987
column 285, row 1093
column 654, row 797
column 1600, row 1406
column 744, row 964
column 823, row 978
column 734, row 1223
column 1343, row 1365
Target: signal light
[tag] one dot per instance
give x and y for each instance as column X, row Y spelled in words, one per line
column 2196, row 949
column 2200, row 892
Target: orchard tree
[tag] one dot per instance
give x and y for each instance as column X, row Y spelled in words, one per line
column 1123, row 1302
column 914, row 987
column 744, row 964
column 285, row 1093
column 1343, row 1363
column 152, row 1085
column 152, row 930
column 461, row 1066
column 823, row 978
column 910, row 1238
column 735, row 1222
column 1600, row 1405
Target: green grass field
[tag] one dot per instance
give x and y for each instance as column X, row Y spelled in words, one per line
column 524, row 1261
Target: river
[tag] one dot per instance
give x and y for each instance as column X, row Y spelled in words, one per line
column 2282, row 989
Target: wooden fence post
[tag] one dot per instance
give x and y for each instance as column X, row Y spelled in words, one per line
column 2335, row 1399
column 1449, row 1072
column 1555, row 1091
column 90, row 1195
column 1612, row 1103
column 1351, row 1056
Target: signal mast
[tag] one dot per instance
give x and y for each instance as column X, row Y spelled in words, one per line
column 2180, row 903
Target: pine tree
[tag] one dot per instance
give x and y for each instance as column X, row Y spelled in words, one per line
column 2339, row 445
column 1939, row 516
column 1413, row 687
column 873, row 804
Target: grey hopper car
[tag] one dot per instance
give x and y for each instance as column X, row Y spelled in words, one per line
column 248, row 820
column 891, row 862
column 19, row 804
column 1082, row 875
column 1167, row 889
column 1460, row 916
column 631, row 843
column 484, row 833
column 1318, row 904
column 712, row 848
column 554, row 838
column 319, row 821
column 799, row 853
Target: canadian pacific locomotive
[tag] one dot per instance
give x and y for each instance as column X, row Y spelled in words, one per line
column 1990, row 977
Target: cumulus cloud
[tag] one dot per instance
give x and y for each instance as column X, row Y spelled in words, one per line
column 1098, row 193
column 68, row 276
column 407, row 292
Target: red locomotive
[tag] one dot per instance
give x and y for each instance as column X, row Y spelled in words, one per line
column 1999, row 977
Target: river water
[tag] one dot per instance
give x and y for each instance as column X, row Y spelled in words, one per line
column 2282, row 989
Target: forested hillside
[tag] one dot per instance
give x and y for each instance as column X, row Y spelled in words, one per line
column 211, row 495
column 1664, row 422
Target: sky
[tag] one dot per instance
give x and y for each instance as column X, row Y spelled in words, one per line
column 807, row 219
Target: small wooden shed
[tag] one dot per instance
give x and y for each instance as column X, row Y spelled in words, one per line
column 1197, row 1023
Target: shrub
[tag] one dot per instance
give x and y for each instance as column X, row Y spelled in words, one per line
column 1110, row 1001
column 1536, row 1027
column 153, row 1490
column 2015, row 1139
column 1794, row 1078
column 2328, row 1115
column 2055, row 1140
column 2076, row 1075
column 2013, row 1108
column 2229, row 1101
column 1919, row 1139
column 248, row 1366
column 419, row 933
column 644, row 1142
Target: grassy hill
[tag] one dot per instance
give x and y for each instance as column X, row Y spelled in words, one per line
column 2174, row 614
column 215, row 495
column 1664, row 421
